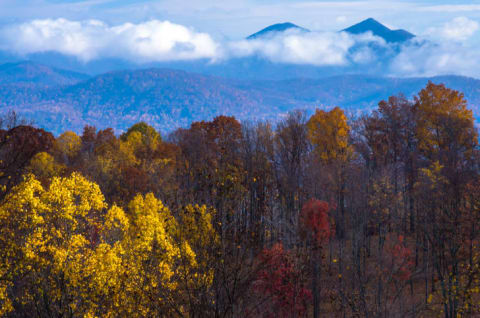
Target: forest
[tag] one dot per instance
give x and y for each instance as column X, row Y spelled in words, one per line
column 376, row 215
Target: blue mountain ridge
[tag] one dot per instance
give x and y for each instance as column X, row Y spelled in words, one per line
column 169, row 99
column 31, row 73
column 368, row 25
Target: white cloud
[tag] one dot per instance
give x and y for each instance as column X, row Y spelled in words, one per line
column 159, row 41
column 450, row 8
column 68, row 37
column 341, row 19
column 459, row 29
column 364, row 55
column 315, row 48
column 298, row 48
column 430, row 59
column 449, row 50
column 149, row 41
column 156, row 41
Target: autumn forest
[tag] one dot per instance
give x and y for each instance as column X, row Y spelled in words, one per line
column 329, row 215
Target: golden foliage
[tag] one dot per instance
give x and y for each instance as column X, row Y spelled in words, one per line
column 329, row 133
column 444, row 123
column 67, row 145
column 70, row 254
column 44, row 166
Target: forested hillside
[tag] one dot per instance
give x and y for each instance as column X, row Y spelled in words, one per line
column 317, row 216
column 167, row 99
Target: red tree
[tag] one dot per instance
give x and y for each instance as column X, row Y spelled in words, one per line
column 401, row 259
column 315, row 219
column 280, row 282
column 316, row 225
column 18, row 146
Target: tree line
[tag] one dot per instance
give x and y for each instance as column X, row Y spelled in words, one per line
column 320, row 216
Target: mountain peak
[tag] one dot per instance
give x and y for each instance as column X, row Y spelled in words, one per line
column 370, row 20
column 380, row 30
column 279, row 27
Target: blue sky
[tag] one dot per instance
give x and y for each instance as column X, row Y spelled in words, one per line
column 234, row 19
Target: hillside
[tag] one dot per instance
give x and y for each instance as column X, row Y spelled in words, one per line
column 30, row 73
column 169, row 99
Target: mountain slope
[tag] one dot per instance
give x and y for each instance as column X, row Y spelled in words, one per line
column 169, row 99
column 378, row 29
column 30, row 73
column 166, row 98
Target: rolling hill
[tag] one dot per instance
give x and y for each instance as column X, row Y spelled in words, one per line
column 169, row 99
column 30, row 73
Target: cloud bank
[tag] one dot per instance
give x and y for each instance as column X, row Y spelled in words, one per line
column 150, row 41
column 297, row 48
column 431, row 59
column 459, row 29
column 447, row 49
column 450, row 51
column 314, row 48
column 158, row 41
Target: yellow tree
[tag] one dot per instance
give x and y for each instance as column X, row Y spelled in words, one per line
column 445, row 126
column 148, row 163
column 63, row 253
column 137, row 162
column 44, row 166
column 149, row 136
column 329, row 133
column 44, row 233
column 152, row 253
column 447, row 141
column 67, row 147
column 196, row 226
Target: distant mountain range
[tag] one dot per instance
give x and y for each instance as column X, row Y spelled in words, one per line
column 368, row 25
column 169, row 99
column 172, row 95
